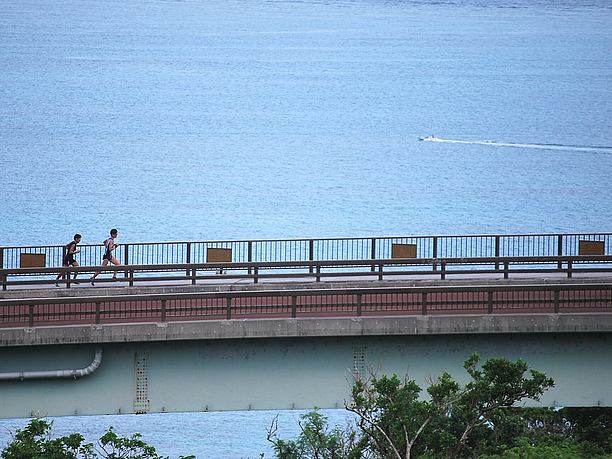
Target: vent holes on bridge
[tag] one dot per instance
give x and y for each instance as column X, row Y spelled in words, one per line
column 359, row 366
column 141, row 382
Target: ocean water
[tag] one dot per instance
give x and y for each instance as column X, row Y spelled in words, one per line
column 198, row 120
column 234, row 434
column 238, row 119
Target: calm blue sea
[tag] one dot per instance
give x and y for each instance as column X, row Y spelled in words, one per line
column 226, row 119
column 234, row 434
column 235, row 119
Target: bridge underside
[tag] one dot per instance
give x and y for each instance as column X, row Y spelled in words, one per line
column 283, row 373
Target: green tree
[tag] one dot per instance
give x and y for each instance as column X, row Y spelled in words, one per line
column 591, row 427
column 316, row 440
column 498, row 384
column 394, row 420
column 392, row 416
column 398, row 423
column 34, row 442
column 525, row 450
column 549, row 432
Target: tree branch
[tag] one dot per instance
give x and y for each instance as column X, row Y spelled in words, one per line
column 374, row 424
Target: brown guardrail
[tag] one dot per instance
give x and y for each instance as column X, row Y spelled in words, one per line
column 312, row 249
column 345, row 302
column 379, row 268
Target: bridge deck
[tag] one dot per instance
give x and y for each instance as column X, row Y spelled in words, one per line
column 107, row 285
column 476, row 298
column 292, row 344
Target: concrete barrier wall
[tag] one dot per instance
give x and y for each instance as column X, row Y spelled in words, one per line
column 308, row 327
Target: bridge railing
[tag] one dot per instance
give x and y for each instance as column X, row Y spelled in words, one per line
column 378, row 269
column 313, row 249
column 349, row 302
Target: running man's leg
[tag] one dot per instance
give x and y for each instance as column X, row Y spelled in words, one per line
column 104, row 263
column 116, row 263
column 76, row 264
column 61, row 275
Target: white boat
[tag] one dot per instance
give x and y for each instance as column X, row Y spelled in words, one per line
column 429, row 137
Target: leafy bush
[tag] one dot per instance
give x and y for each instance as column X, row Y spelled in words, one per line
column 34, row 442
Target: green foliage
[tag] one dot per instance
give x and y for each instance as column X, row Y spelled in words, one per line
column 450, row 423
column 591, row 427
column 496, row 386
column 316, row 440
column 112, row 446
column 34, row 442
column 395, row 420
column 564, row 450
column 546, row 432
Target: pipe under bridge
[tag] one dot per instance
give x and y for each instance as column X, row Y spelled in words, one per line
column 290, row 324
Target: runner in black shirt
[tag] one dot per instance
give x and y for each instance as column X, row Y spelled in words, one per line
column 69, row 260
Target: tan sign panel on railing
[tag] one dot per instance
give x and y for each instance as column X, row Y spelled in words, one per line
column 403, row 250
column 218, row 255
column 591, row 248
column 32, row 260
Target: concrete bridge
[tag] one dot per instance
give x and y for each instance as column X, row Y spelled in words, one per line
column 229, row 345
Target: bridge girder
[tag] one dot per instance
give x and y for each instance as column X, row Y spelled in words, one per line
column 283, row 372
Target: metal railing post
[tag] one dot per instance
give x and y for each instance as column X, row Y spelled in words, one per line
column 556, row 302
column 506, row 269
column 318, row 277
column 293, row 306
column 424, row 303
column 380, row 271
column 373, row 252
column 435, row 253
column 256, row 275
column 443, row 271
column 4, row 280
column 193, row 276
column 163, row 310
column 188, row 257
column 310, row 253
column 497, row 240
column 569, row 268
column 228, row 315
column 126, row 260
column 31, row 315
column 560, row 250
column 1, row 257
column 97, row 312
column 131, row 282
column 359, row 304
column 489, row 302
column 250, row 255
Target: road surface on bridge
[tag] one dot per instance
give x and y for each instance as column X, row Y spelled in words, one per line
column 83, row 283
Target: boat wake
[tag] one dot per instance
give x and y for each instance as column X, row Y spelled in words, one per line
column 539, row 146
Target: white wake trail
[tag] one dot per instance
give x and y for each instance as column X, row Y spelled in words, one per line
column 540, row 146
